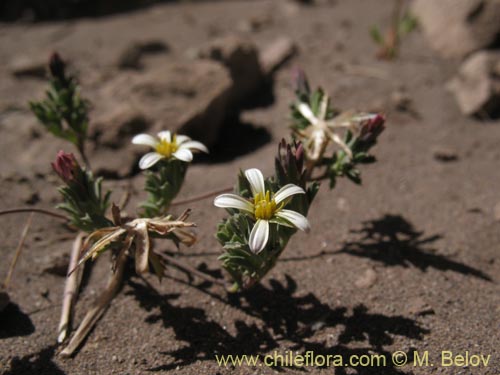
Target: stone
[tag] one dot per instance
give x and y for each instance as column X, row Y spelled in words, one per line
column 130, row 57
column 187, row 97
column 445, row 154
column 366, row 280
column 240, row 56
column 58, row 266
column 115, row 129
column 28, row 67
column 255, row 23
column 455, row 28
column 418, row 306
column 276, row 54
column 496, row 212
column 476, row 86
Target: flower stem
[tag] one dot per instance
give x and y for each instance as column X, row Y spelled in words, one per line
column 202, row 196
column 99, row 306
column 18, row 251
column 37, row 210
column 70, row 289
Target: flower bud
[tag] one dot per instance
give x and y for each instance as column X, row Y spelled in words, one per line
column 57, row 67
column 372, row 128
column 299, row 82
column 290, row 162
column 66, row 166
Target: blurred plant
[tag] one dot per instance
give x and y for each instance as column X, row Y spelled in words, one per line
column 259, row 226
column 168, row 165
column 318, row 126
column 63, row 112
column 401, row 25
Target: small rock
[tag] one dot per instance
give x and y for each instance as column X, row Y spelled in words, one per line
column 116, row 129
column 496, row 211
column 28, row 67
column 241, row 58
column 130, row 57
column 276, row 54
column 455, row 28
column 58, row 266
column 367, row 280
column 401, row 101
column 255, row 23
column 188, row 97
column 418, row 306
column 342, row 204
column 445, row 154
column 476, row 87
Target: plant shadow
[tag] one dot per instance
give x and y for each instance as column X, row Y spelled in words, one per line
column 37, row 363
column 282, row 319
column 393, row 241
column 15, row 322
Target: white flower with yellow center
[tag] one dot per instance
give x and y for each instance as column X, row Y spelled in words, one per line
column 322, row 130
column 167, row 146
column 265, row 208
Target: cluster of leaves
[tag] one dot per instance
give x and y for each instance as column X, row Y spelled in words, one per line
column 244, row 266
column 163, row 183
column 63, row 112
column 401, row 26
column 85, row 202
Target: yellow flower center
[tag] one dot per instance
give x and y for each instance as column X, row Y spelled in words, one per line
column 166, row 148
column 264, row 206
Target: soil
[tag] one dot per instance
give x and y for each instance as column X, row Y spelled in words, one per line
column 406, row 262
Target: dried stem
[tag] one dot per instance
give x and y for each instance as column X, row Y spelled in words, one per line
column 187, row 268
column 100, row 305
column 18, row 251
column 202, row 196
column 70, row 289
column 35, row 210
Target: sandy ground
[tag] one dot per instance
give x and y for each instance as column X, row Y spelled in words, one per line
column 406, row 262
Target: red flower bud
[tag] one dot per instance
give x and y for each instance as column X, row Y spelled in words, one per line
column 57, row 66
column 299, row 82
column 66, row 166
column 372, row 128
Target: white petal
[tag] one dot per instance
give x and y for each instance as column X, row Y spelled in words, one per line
column 342, row 145
column 256, row 180
column 166, row 135
column 233, row 201
column 323, row 109
column 259, row 236
column 306, row 111
column 150, row 159
column 298, row 220
column 194, row 145
column 181, row 138
column 287, row 191
column 183, row 154
column 145, row 139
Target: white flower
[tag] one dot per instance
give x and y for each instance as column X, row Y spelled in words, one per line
column 167, row 146
column 322, row 131
column 265, row 208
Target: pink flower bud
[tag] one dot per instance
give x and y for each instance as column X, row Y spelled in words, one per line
column 57, row 66
column 66, row 166
column 372, row 128
column 299, row 82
